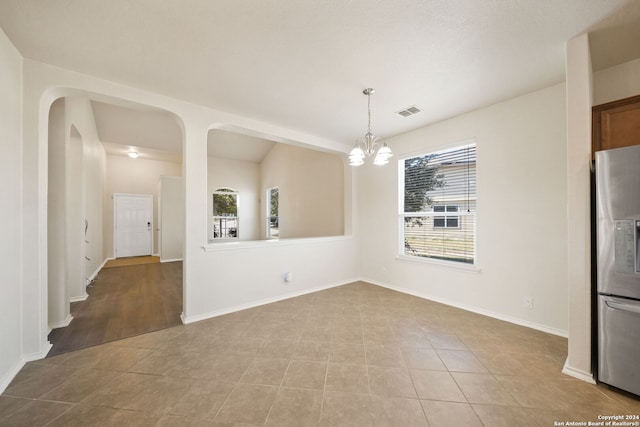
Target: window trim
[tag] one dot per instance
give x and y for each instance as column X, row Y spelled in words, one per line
column 268, row 213
column 445, row 215
column 236, row 217
column 402, row 255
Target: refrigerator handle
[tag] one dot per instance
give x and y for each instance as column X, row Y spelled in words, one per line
column 633, row 308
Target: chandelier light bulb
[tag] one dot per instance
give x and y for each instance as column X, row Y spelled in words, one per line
column 367, row 145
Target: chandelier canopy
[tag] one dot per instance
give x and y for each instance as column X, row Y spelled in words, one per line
column 367, row 145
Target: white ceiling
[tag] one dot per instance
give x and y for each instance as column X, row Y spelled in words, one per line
column 303, row 64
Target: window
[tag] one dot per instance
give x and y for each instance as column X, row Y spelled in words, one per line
column 446, row 221
column 225, row 214
column 272, row 213
column 438, row 204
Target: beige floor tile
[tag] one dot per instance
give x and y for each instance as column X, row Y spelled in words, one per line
column 547, row 417
column 531, row 392
column 446, row 342
column 347, row 353
column 203, row 399
column 121, row 390
column 152, row 340
column 380, row 336
column 422, row 358
column 305, row 374
column 180, row 421
column 265, row 372
column 450, row 414
column 121, row 358
column 228, row 369
column 390, row 382
column 503, row 416
column 436, row 385
column 384, row 355
column 156, row 363
column 35, row 413
column 248, row 403
column 277, row 349
column 126, row 417
column 294, row 407
column 484, row 389
column 9, row 405
column 85, row 415
column 461, row 361
column 499, row 363
column 81, row 385
column 286, row 332
column 194, row 373
column 161, row 395
column 347, row 378
column 347, row 409
column 312, row 350
column 391, row 412
column 346, row 334
column 47, row 379
column 317, row 333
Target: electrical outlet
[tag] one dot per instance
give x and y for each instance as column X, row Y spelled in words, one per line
column 528, row 302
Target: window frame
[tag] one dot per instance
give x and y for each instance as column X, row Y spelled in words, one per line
column 225, row 217
column 445, row 215
column 404, row 253
column 269, row 229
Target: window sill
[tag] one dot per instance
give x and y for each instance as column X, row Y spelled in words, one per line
column 447, row 265
column 226, row 246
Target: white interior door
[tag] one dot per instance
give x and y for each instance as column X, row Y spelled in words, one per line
column 133, row 225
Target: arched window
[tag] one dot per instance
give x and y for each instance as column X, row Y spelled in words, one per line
column 225, row 214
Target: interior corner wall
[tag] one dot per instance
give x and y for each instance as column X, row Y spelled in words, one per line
column 520, row 229
column 578, row 219
column 133, row 176
column 618, row 82
column 244, row 177
column 171, row 218
column 57, row 291
column 11, row 208
column 311, row 191
column 89, row 167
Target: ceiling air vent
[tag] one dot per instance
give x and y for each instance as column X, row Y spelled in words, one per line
column 409, row 111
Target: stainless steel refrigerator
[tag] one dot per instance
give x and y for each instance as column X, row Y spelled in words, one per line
column 618, row 267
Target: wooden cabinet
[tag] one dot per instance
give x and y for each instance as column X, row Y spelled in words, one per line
column 616, row 124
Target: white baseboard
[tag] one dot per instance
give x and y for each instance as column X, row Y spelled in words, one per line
column 61, row 324
column 95, row 273
column 216, row 313
column 170, row 260
column 10, row 375
column 578, row 373
column 80, row 298
column 515, row 320
column 40, row 355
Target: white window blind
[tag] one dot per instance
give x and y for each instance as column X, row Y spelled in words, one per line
column 438, row 204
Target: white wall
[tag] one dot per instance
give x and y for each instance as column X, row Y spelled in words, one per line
column 311, row 191
column 11, row 211
column 89, row 168
column 171, row 226
column 133, row 176
column 58, row 303
column 243, row 177
column 75, row 193
column 521, row 234
column 621, row 81
column 579, row 102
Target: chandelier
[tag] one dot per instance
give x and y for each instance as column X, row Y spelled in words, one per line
column 367, row 145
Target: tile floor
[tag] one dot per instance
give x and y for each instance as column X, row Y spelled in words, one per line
column 355, row 355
